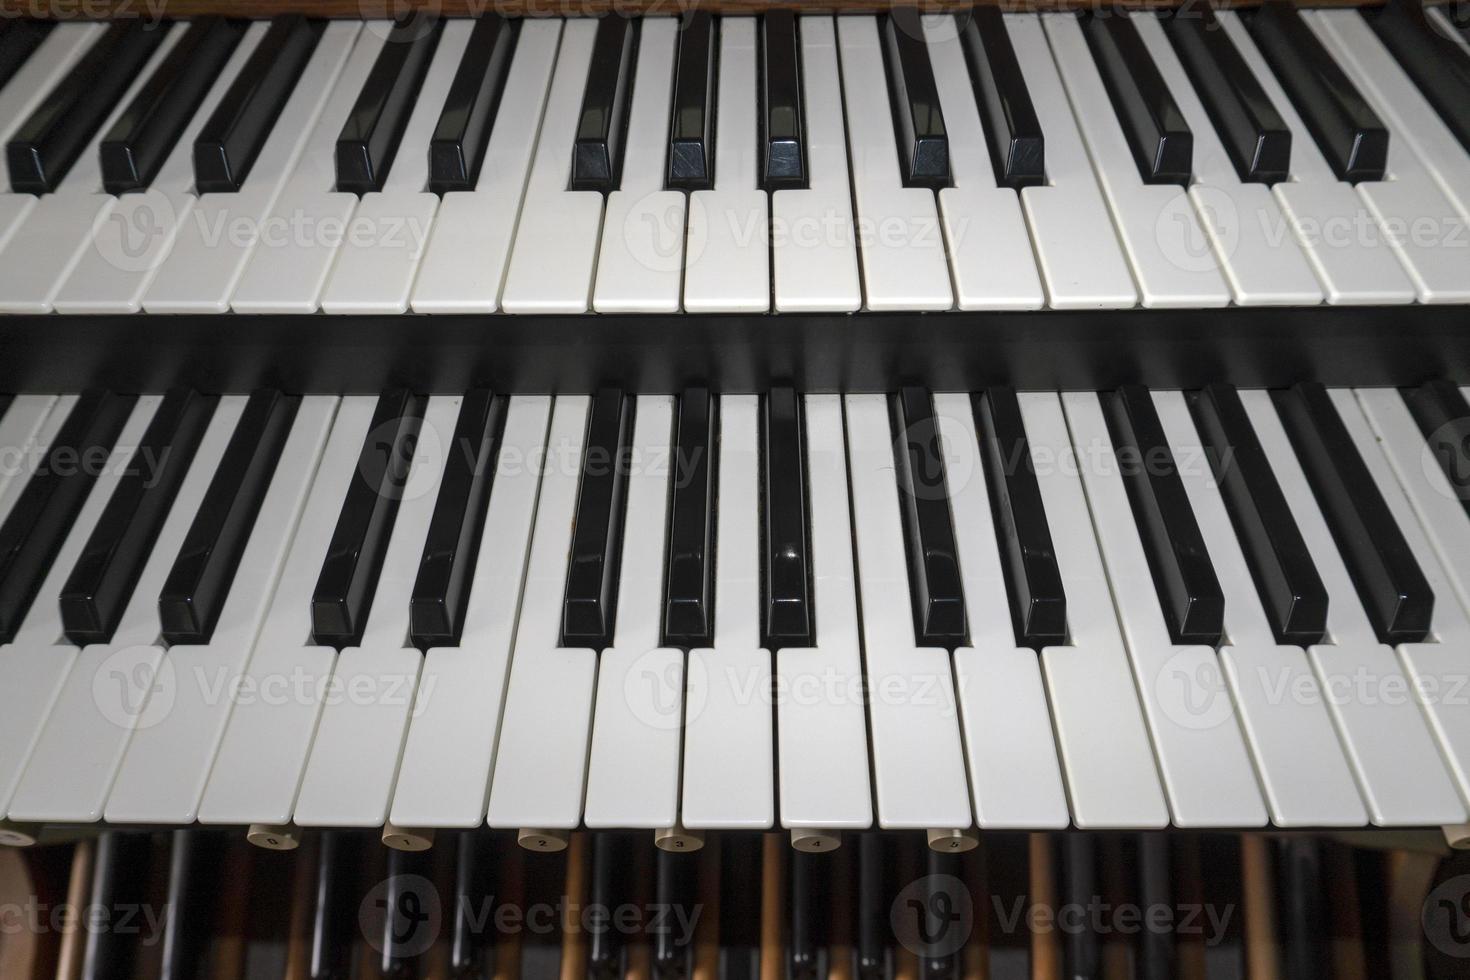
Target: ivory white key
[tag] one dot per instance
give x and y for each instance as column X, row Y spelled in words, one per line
column 212, row 248
column 1106, row 757
column 813, row 241
column 444, row 779
column 28, row 419
column 464, row 264
column 167, row 763
column 1394, row 756
column 918, row 760
column 258, row 768
column 111, row 688
column 727, row 263
column 728, row 724
column 1300, row 764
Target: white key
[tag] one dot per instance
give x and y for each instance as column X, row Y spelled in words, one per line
column 1014, row 772
column 918, row 761
column 985, row 234
column 21, row 428
column 728, row 725
column 163, row 772
column 212, row 248
column 444, row 780
column 727, row 264
column 464, row 265
column 1202, row 757
column 258, row 768
column 1109, row 765
column 815, row 263
column 822, row 736
column 555, row 252
column 1388, row 743
column 1077, row 249
column 540, row 766
column 1302, row 770
column 633, row 771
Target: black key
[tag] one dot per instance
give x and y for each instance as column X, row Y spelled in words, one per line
column 874, row 938
column 1012, row 131
column 226, row 148
column 1033, row 579
column 597, row 537
column 344, row 591
column 41, row 152
column 120, row 870
column 1163, row 146
column 597, row 154
column 923, row 500
column 1155, row 945
column 457, row 148
column 1291, row 591
column 143, row 136
column 471, row 949
column 1254, row 134
column 1389, row 582
column 692, row 124
column 1443, row 416
column 102, row 581
column 1081, row 946
column 334, row 914
column 608, row 871
column 689, row 583
column 195, row 861
column 1435, row 61
column 370, row 137
column 676, row 891
column 194, row 593
column 441, row 593
column 782, row 134
column 42, row 517
column 789, row 615
column 1348, row 132
column 918, row 121
column 1189, row 593
column 18, row 41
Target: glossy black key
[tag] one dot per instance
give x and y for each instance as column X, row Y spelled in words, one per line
column 19, row 39
column 610, row 860
column 226, row 147
column 143, row 136
column 1443, row 416
column 597, row 537
column 1347, row 131
column 692, row 123
column 1436, row 62
column 1189, row 593
column 1012, row 131
column 789, row 617
column 1033, row 578
column 43, row 149
column 602, row 123
column 194, row 593
column 1162, row 145
column 344, row 590
column 374, row 128
column 42, row 517
column 1254, row 134
column 689, row 580
column 918, row 120
column 782, row 134
column 923, row 501
column 100, row 584
column 676, row 890
column 457, row 148
column 334, row 911
column 1389, row 582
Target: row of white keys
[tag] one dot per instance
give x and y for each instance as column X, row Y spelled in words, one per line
column 1077, row 249
column 1353, row 261
column 1109, row 765
column 1388, row 743
column 728, row 722
column 110, row 687
column 727, row 265
column 163, row 773
column 821, row 728
column 1300, row 763
column 463, row 268
column 1264, row 265
column 918, row 759
column 813, row 247
column 257, row 770
column 1197, row 740
column 213, row 247
column 444, row 779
